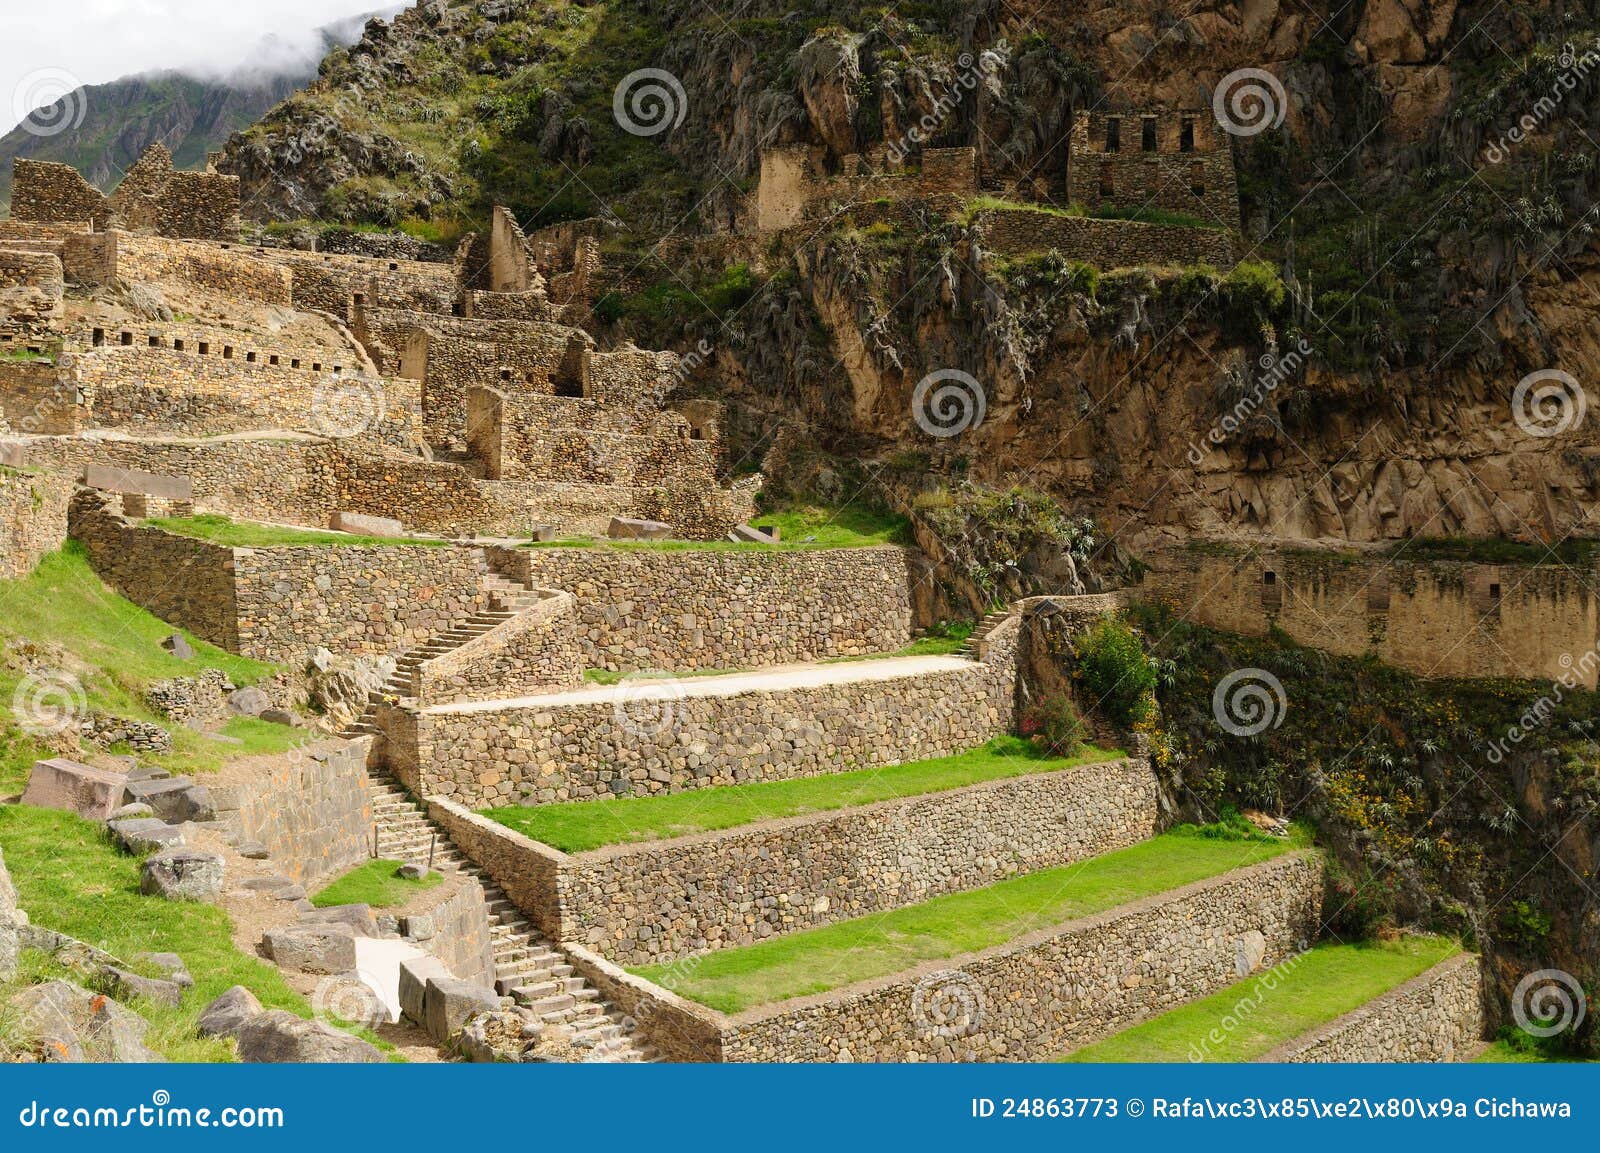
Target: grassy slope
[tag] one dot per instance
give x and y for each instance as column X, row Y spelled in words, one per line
column 585, row 825
column 247, row 534
column 70, row 879
column 816, row 960
column 64, row 603
column 375, row 884
column 1276, row 1006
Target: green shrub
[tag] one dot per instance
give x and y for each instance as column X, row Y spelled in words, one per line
column 1525, row 925
column 1115, row 672
column 1053, row 725
column 1357, row 908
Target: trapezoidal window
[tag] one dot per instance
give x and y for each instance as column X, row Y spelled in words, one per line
column 1113, row 134
column 127, row 339
column 1108, row 182
column 1197, row 178
column 1186, row 136
column 1147, row 134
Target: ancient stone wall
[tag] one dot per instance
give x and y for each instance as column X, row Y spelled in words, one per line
column 454, row 926
column 615, row 744
column 33, row 519
column 32, row 288
column 227, row 270
column 1106, row 244
column 535, row 651
column 753, row 882
column 525, row 870
column 310, row 807
column 39, row 398
column 44, row 192
column 327, row 282
column 185, row 582
column 1181, row 161
column 650, row 610
column 796, row 186
column 1437, row 1016
column 1436, row 618
column 384, row 246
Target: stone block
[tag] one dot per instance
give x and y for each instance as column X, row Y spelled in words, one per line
column 626, row 528
column 13, row 454
column 749, row 534
column 133, row 481
column 182, row 874
column 75, row 788
column 415, row 973
column 329, row 949
column 175, row 799
column 357, row 918
column 279, row 1037
column 447, row 1003
column 248, row 702
column 363, row 525
column 126, row 986
column 179, row 647
column 147, row 834
column 225, row 1016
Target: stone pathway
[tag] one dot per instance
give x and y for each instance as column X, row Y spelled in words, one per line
column 528, row 966
column 775, row 679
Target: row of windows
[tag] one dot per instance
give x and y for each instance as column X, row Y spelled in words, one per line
column 1147, row 141
column 204, row 349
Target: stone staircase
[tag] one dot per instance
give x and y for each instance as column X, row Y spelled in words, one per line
column 986, row 626
column 506, row 598
column 527, row 966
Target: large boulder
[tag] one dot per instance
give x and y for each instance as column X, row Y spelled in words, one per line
column 358, row 918
column 142, row 835
column 175, row 800
column 363, row 525
column 182, row 874
column 248, row 702
column 127, row 986
column 627, row 528
column 328, row 949
column 225, row 1016
column 75, row 788
column 448, row 1002
column 279, row 1037
column 64, row 1022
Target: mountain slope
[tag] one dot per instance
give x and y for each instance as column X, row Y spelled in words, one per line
column 191, row 115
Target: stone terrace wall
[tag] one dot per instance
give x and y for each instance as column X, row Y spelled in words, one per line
column 748, row 884
column 39, row 397
column 501, row 755
column 33, row 519
column 653, row 610
column 527, row 872
column 1105, row 244
column 326, row 282
column 362, row 601
column 311, row 808
column 795, row 186
column 44, row 192
column 1437, row 1016
column 1436, row 618
column 1060, row 988
column 223, row 269
column 535, row 651
column 185, row 582
column 456, row 930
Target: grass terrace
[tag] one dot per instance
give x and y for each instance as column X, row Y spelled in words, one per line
column 584, row 825
column 71, row 879
column 799, row 529
column 1272, row 1007
column 79, row 636
column 229, row 533
column 374, row 884
column 613, row 677
column 817, row 960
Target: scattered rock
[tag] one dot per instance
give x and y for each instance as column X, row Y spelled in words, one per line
column 329, row 949
column 175, row 799
column 228, row 1013
column 279, row 1037
column 358, row 918
column 412, row 872
column 280, row 717
column 248, row 702
column 133, row 812
column 179, row 647
column 415, row 973
column 173, row 966
column 278, row 888
column 182, row 874
column 363, row 525
column 749, row 534
column 75, row 788
column 252, row 850
column 147, row 835
column 127, row 986
column 626, row 528
column 68, row 1023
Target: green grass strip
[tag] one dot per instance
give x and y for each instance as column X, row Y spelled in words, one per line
column 817, row 960
column 229, row 533
column 70, row 879
column 800, row 529
column 1248, row 1020
column 374, row 884
column 584, row 825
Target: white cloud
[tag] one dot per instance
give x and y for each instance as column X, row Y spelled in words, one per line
column 93, row 41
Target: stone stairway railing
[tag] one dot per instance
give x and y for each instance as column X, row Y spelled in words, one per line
column 506, row 598
column 528, row 967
